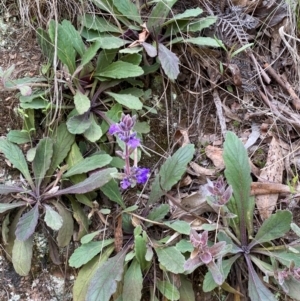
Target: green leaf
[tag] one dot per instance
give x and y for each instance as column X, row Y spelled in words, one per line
column 16, row 158
column 171, row 259
column 133, row 282
column 186, row 289
column 89, row 237
column 184, row 246
column 257, row 290
column 80, row 217
column 88, row 251
column 112, row 191
column 38, row 103
column 158, row 15
column 187, row 14
column 74, row 36
column 128, row 10
column 105, row 58
column 27, row 223
column 201, row 24
column 42, row 160
column 273, row 227
column 237, row 173
column 18, row 137
column 90, row 53
column 127, row 100
column 88, row 164
column 78, row 124
column 97, row 23
column 140, row 251
column 295, row 228
column 94, row 132
column 181, row 227
column 171, row 172
column 169, row 61
column 65, row 233
column 22, row 255
column 87, row 272
column 292, row 286
column 158, row 213
column 52, row 218
column 65, row 50
column 121, row 69
column 169, row 290
column 82, row 102
column 200, row 41
column 104, row 282
column 63, row 141
column 8, row 206
column 109, row 42
column 45, row 43
column 133, row 58
column 96, row 180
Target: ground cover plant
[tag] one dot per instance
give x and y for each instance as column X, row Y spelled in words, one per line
column 204, row 221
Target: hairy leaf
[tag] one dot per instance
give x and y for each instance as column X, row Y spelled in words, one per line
column 80, row 217
column 27, row 223
column 16, row 157
column 65, row 50
column 78, row 124
column 184, row 246
column 257, row 290
column 42, row 160
column 237, row 173
column 274, row 227
column 168, row 290
column 88, row 164
column 61, row 147
column 52, row 218
column 109, row 42
column 87, row 251
column 186, row 289
column 89, row 237
column 187, row 14
column 74, row 36
column 127, row 100
column 169, row 61
column 129, row 10
column 82, row 102
column 198, row 25
column 140, row 251
column 158, row 213
column 121, row 69
column 65, row 233
column 96, row 180
column 112, row 191
column 22, row 255
column 151, row 50
column 133, row 282
column 203, row 41
column 18, row 137
column 95, row 22
column 6, row 189
column 104, row 282
column 181, row 227
column 90, row 54
column 94, row 132
column 171, row 172
column 45, row 43
column 87, row 272
column 171, row 259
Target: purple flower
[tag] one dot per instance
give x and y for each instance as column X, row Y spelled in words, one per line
column 220, row 193
column 114, row 129
column 132, row 141
column 125, row 183
column 142, row 175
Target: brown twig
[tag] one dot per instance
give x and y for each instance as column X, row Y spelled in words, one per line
column 284, row 85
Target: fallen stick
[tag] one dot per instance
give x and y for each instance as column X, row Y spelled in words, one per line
column 284, row 85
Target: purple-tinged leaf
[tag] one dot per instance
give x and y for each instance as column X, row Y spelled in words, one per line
column 151, row 50
column 27, row 223
column 104, row 282
column 6, row 189
column 273, row 227
column 216, row 249
column 96, row 180
column 216, row 272
column 206, row 257
column 257, row 290
column 25, row 90
column 8, row 206
column 42, row 160
column 169, row 61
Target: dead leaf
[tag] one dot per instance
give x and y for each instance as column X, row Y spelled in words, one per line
column 119, row 235
column 186, row 181
column 216, row 155
column 201, row 171
column 182, row 137
column 259, row 188
column 272, row 173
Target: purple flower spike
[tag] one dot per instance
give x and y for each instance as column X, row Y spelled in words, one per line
column 114, row 129
column 132, row 141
